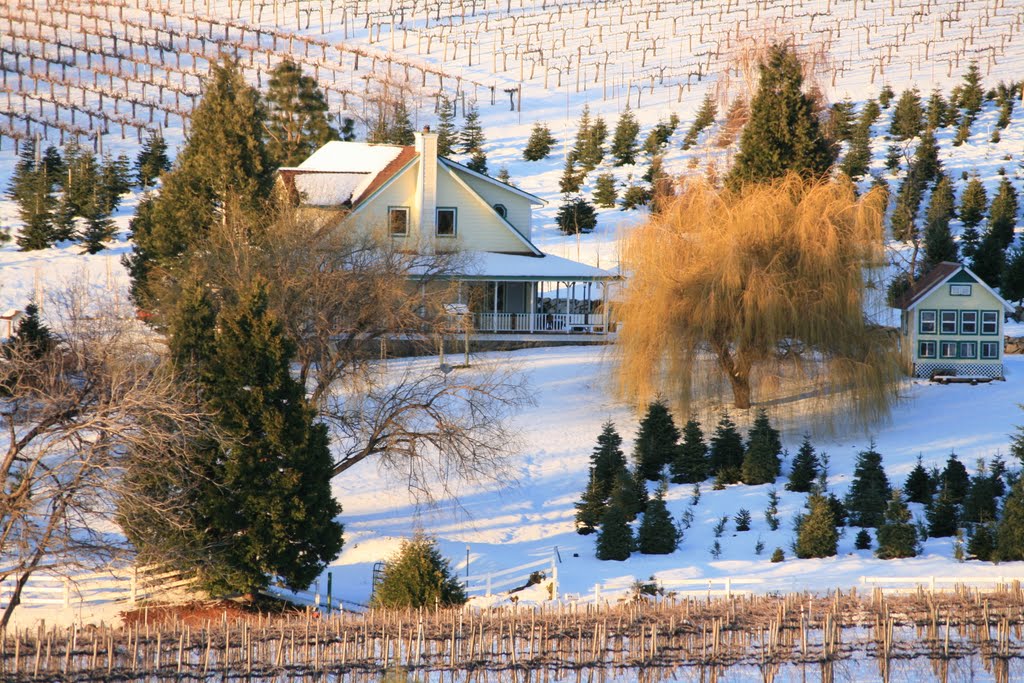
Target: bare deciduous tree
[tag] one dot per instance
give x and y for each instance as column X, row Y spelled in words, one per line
column 73, row 419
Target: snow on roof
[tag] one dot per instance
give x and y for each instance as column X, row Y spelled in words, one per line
column 331, row 189
column 496, row 266
column 351, row 157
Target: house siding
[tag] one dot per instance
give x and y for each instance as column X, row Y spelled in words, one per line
column 519, row 208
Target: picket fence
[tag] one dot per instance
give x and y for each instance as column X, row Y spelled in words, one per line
column 122, row 584
column 933, row 584
column 514, row 577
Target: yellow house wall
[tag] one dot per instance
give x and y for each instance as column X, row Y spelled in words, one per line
column 520, row 211
column 478, row 228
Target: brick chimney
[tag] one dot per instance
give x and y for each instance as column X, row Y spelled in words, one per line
column 426, row 182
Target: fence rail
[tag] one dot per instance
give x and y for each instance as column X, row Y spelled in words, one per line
column 120, row 584
column 514, row 577
column 904, row 584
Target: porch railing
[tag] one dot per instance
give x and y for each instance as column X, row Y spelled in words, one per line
column 563, row 323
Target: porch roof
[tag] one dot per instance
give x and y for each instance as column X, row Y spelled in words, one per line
column 520, row 267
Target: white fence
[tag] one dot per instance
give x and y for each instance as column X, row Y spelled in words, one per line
column 910, row 584
column 513, row 577
column 128, row 584
column 566, row 323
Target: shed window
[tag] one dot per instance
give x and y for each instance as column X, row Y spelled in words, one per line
column 989, row 350
column 947, row 322
column 926, row 349
column 968, row 322
column 990, row 322
column 927, row 322
column 947, row 349
column 960, row 290
column 968, row 349
column 446, row 223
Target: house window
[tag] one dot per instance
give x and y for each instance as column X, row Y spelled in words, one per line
column 989, row 350
column 968, row 322
column 947, row 349
column 968, row 349
column 990, row 322
column 947, row 322
column 960, row 290
column 926, row 349
column 501, row 210
column 398, row 221
column 446, row 222
column 927, row 322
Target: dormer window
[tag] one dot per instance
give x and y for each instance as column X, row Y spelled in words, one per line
column 501, row 210
column 398, row 221
column 446, row 222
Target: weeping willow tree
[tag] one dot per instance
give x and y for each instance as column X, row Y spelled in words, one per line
column 759, row 290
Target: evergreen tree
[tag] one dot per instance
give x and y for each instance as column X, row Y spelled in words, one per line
column 782, row 134
column 918, row 486
column 705, row 118
column 982, row 500
column 805, row 468
column 605, row 194
column 981, row 544
column 32, row 187
column 939, row 245
column 690, row 463
column 221, row 173
column 863, row 540
column 943, row 515
column 634, row 196
column 906, row 117
column 152, row 160
column 575, row 216
column 858, row 158
column 615, row 538
column 841, row 120
column 771, row 513
column 540, row 143
column 115, row 180
column 607, row 459
column 1012, row 280
column 578, row 150
column 897, row 537
column 447, row 135
column 593, row 150
column 472, row 136
column 1002, row 214
column 817, row 535
column 572, row 176
column 971, row 94
column 266, row 504
column 868, row 115
column 31, row 338
column 656, row 441
column 926, row 167
column 99, row 229
column 624, row 148
column 937, row 115
column 726, row 452
column 297, row 118
column 989, row 260
column 838, row 509
column 348, row 129
column 1010, row 530
column 477, row 162
column 869, row 491
column 657, row 534
column 761, row 461
column 973, row 208
column 629, row 494
column 885, row 96
column 963, row 131
column 591, row 507
column 742, row 520
column 778, row 555
column 418, row 576
column 79, row 182
column 955, row 479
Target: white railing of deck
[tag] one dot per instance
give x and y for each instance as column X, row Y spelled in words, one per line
column 541, row 322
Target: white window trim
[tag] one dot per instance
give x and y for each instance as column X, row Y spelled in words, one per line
column 455, row 222
column 942, row 322
column 403, row 209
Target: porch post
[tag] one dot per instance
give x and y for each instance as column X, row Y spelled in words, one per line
column 533, row 304
column 494, row 316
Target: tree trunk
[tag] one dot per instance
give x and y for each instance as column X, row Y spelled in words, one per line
column 737, row 369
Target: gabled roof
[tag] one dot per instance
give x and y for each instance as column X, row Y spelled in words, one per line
column 532, row 198
column 935, row 278
column 346, row 173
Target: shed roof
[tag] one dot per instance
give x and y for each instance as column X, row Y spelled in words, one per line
column 935, row 278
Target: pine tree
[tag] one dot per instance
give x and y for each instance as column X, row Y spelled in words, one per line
column 605, row 193
column 447, row 135
column 918, row 486
column 943, row 515
column 221, row 173
column 858, row 158
column 540, row 143
column 897, row 537
column 817, row 535
column 99, row 229
column 863, row 540
column 582, row 134
column 973, row 208
column 982, row 500
column 906, row 117
column 990, row 259
column 937, row 115
column 926, row 166
column 939, row 245
column 885, row 96
column 778, row 555
column 841, row 120
column 742, row 520
column 771, row 513
column 657, row 534
column 348, row 129
column 726, row 452
column 31, row 338
column 624, row 147
column 1012, row 280
column 805, row 468
column 1002, row 214
column 629, row 493
column 297, row 118
column 477, row 162
column 575, row 216
column 152, row 160
column 955, row 479
column 869, row 491
column 32, row 187
column 615, row 538
column 868, row 115
column 656, row 441
column 266, row 505
column 705, row 118
column 981, row 544
column 690, row 463
column 761, row 461
column 79, row 182
column 971, row 93
column 418, row 576
column 782, row 134
column 472, row 135
column 572, row 176
column 1010, row 530
column 963, row 131
column 591, row 507
column 607, row 459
